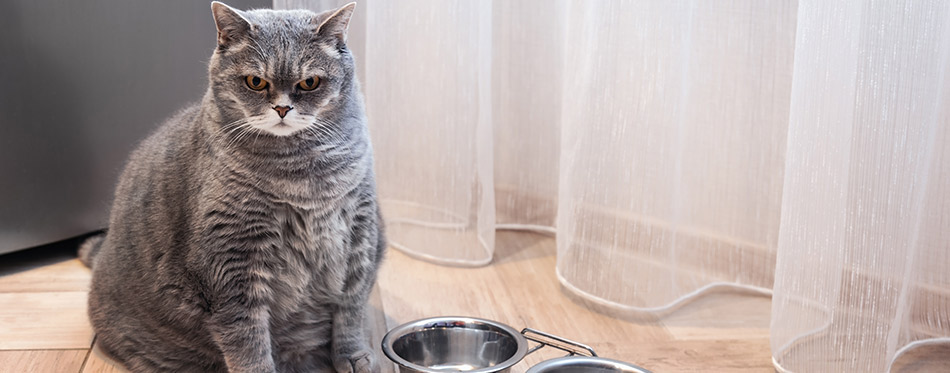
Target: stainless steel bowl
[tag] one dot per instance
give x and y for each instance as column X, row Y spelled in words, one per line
column 454, row 344
column 584, row 364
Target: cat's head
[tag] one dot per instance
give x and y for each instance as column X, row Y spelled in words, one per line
column 279, row 72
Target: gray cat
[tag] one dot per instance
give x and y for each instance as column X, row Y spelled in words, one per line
column 245, row 234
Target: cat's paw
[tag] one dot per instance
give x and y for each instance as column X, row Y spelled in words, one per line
column 357, row 360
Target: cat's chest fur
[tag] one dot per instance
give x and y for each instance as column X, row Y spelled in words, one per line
column 310, row 259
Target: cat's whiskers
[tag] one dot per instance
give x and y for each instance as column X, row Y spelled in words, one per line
column 235, row 130
column 326, row 128
column 245, row 133
column 256, row 136
column 227, row 129
column 316, row 130
column 312, row 131
column 316, row 124
column 242, row 130
column 222, row 134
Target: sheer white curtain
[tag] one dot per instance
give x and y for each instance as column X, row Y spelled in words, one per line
column 674, row 118
column 863, row 269
column 790, row 147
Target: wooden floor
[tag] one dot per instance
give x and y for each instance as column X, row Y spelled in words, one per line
column 43, row 324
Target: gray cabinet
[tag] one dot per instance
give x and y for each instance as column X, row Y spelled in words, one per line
column 82, row 83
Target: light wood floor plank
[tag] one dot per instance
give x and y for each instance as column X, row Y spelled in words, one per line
column 29, row 272
column 39, row 361
column 713, row 316
column 50, row 320
column 725, row 355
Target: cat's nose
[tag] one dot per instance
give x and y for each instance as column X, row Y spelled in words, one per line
column 282, row 110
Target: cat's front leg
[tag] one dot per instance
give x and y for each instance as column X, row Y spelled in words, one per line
column 351, row 353
column 243, row 335
column 240, row 324
column 233, row 265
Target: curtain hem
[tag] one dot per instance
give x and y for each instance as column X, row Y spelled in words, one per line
column 923, row 342
column 668, row 308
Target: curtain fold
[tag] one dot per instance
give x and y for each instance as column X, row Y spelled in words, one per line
column 674, row 122
column 428, row 68
column 527, row 63
column 863, row 268
column 797, row 148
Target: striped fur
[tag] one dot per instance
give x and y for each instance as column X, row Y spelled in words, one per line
column 231, row 248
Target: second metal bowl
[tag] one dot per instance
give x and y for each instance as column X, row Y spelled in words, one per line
column 585, row 364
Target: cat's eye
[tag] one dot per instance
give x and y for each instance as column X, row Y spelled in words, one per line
column 309, row 84
column 255, row 83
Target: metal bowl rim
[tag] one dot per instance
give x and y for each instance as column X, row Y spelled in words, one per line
column 417, row 325
column 567, row 360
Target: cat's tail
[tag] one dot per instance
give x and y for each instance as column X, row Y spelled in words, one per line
column 89, row 249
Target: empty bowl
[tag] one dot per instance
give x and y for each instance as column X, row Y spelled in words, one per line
column 454, row 344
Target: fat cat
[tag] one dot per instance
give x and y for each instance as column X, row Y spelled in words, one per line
column 245, row 233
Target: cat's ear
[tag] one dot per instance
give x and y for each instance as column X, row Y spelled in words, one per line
column 231, row 24
column 336, row 24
